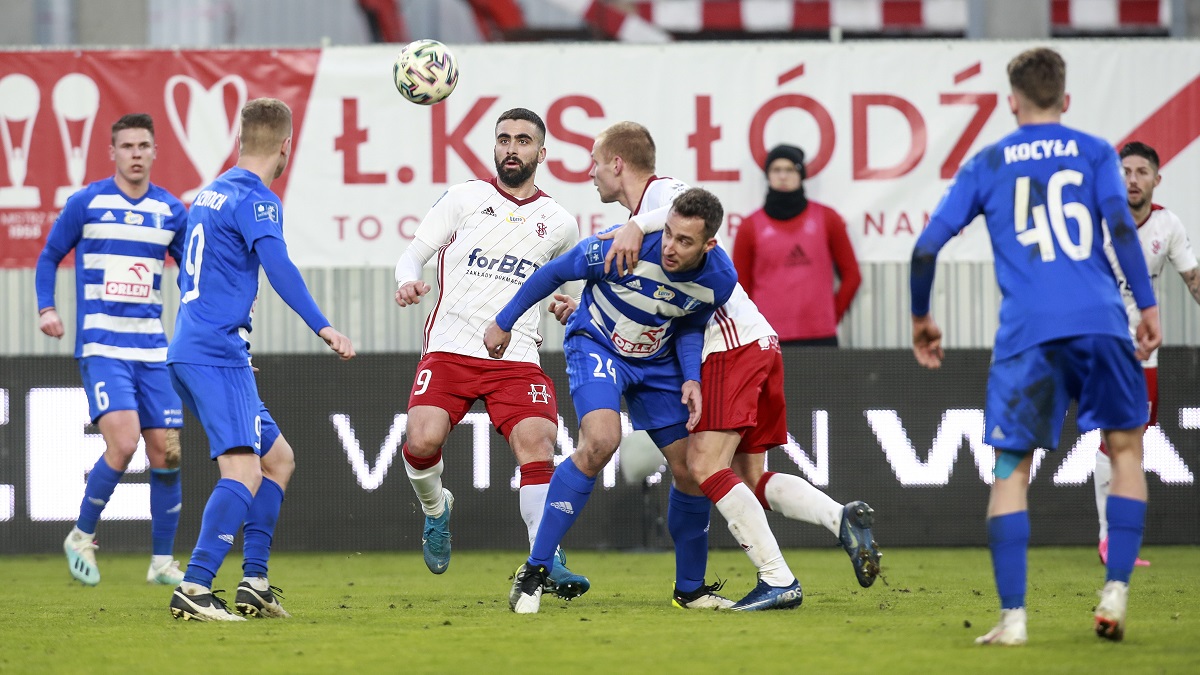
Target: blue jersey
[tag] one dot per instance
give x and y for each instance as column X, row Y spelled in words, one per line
column 219, row 280
column 1045, row 190
column 637, row 315
column 120, row 247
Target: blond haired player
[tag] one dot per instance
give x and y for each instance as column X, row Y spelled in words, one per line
column 488, row 237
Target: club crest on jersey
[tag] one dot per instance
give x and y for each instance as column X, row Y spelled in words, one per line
column 690, row 304
column 595, row 253
column 663, row 293
column 134, row 218
column 1155, row 246
column 539, row 393
column 515, row 219
column 541, row 230
column 266, row 211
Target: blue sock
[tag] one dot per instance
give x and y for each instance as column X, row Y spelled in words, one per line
column 1008, row 537
column 565, row 498
column 260, row 528
column 223, row 517
column 100, row 485
column 687, row 521
column 166, row 501
column 1126, row 520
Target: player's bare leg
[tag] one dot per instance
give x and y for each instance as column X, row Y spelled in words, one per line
column 709, row 455
column 426, row 431
column 533, row 441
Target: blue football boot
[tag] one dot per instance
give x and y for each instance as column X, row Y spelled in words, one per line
column 435, row 541
column 766, row 596
column 563, row 582
column 857, row 540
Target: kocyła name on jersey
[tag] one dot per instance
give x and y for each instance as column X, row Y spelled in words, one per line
column 1041, row 149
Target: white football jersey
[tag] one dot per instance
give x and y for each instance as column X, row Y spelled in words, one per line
column 488, row 243
column 738, row 322
column 1163, row 238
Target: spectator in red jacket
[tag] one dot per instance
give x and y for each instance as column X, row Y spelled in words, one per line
column 788, row 252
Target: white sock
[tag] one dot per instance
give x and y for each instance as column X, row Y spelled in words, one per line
column 533, row 501
column 797, row 499
column 193, row 589
column 158, row 561
column 79, row 535
column 748, row 525
column 257, row 583
column 427, row 483
column 1102, row 481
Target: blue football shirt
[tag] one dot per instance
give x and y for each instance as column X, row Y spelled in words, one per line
column 1044, row 190
column 219, row 279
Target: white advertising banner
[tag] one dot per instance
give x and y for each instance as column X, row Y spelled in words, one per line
column 884, row 126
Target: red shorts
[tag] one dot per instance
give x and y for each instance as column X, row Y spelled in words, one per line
column 742, row 391
column 510, row 391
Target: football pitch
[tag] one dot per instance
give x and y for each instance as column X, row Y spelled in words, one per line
column 384, row 612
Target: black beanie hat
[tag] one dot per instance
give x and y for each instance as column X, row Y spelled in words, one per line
column 791, row 152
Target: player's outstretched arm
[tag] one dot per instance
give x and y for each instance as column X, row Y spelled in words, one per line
column 290, row 286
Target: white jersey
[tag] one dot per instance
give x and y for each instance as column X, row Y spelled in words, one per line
column 488, row 243
column 738, row 322
column 1163, row 238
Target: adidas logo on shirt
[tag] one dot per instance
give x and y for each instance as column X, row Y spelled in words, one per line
column 108, row 217
column 488, row 212
column 565, row 507
column 797, row 256
column 634, row 285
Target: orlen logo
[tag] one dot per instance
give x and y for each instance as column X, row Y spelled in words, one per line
column 126, row 290
column 638, row 348
column 506, row 264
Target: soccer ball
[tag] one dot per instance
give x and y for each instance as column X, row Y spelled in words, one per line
column 425, row 72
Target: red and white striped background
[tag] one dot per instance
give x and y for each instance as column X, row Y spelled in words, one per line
column 688, row 16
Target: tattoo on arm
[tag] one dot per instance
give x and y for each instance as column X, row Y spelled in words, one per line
column 1192, row 279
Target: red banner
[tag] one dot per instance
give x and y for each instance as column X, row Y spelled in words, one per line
column 57, row 108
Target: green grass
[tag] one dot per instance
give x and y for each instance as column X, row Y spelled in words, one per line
column 384, row 612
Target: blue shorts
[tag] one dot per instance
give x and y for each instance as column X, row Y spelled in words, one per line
column 1028, row 393
column 225, row 400
column 115, row 384
column 652, row 387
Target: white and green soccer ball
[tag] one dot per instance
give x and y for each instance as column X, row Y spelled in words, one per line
column 425, row 72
